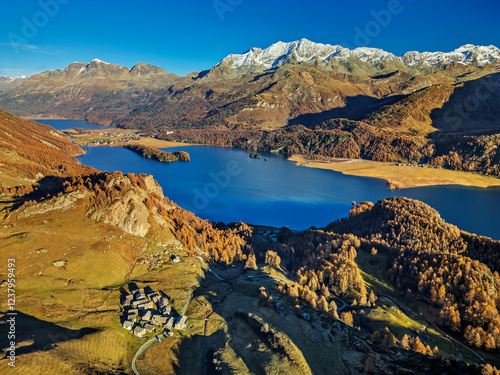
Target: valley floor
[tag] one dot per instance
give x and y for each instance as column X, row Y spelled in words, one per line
column 398, row 176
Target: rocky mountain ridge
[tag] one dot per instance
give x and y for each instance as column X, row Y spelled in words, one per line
column 84, row 89
column 301, row 82
column 332, row 57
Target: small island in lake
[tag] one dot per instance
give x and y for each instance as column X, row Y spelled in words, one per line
column 155, row 154
column 254, row 155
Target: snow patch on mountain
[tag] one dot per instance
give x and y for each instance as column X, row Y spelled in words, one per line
column 372, row 55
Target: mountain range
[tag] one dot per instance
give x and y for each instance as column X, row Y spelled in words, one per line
column 334, row 57
column 287, row 83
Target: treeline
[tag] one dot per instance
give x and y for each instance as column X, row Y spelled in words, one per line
column 187, row 109
column 325, row 269
column 387, row 339
column 324, row 265
column 225, row 243
column 155, row 154
column 469, row 153
column 333, row 138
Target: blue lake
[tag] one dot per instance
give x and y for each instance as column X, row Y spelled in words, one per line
column 224, row 184
column 69, row 124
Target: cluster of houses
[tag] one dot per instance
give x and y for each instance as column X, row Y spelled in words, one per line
column 146, row 311
column 417, row 165
column 117, row 135
column 103, row 142
column 123, row 138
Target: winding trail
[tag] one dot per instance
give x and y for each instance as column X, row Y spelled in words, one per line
column 127, row 277
column 200, row 260
column 9, row 234
column 344, row 304
column 141, row 351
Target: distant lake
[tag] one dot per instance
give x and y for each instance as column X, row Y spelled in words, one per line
column 224, row 184
column 69, row 124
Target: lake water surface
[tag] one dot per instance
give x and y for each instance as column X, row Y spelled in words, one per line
column 224, row 184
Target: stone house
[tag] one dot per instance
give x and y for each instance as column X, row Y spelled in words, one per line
column 147, row 316
column 181, row 323
column 139, row 331
column 170, row 323
column 128, row 325
column 149, row 327
column 159, row 320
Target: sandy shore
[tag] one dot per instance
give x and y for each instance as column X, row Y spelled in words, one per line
column 399, row 176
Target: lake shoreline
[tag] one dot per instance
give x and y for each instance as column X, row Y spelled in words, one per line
column 107, row 137
column 224, row 184
column 398, row 177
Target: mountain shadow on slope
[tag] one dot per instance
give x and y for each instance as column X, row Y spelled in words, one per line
column 357, row 107
column 44, row 335
column 474, row 107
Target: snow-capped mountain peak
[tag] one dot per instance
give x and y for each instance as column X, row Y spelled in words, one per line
column 371, row 55
column 301, row 51
column 305, row 51
column 281, row 53
column 97, row 61
column 464, row 55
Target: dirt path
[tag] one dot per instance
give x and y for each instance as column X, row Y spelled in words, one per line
column 9, row 234
column 141, row 351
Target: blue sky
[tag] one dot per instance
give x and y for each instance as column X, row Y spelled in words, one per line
column 193, row 35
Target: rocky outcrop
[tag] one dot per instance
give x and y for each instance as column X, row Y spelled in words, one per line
column 63, row 203
column 132, row 203
column 129, row 215
column 133, row 210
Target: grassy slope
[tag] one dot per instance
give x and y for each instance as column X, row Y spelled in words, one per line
column 85, row 293
column 388, row 314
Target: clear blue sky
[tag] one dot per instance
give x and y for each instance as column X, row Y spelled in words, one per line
column 191, row 35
